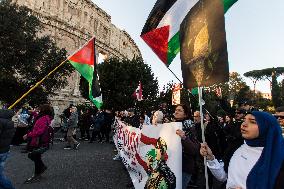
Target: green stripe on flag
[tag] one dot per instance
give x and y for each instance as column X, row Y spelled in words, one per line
column 84, row 69
column 174, row 44
column 228, row 4
column 173, row 48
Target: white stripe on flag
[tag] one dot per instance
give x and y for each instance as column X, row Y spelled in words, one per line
column 176, row 14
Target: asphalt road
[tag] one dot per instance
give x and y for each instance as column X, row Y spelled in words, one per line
column 90, row 167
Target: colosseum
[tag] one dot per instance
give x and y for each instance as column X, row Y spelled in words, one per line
column 71, row 23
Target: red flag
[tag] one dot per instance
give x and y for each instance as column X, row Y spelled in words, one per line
column 176, row 94
column 138, row 92
column 219, row 92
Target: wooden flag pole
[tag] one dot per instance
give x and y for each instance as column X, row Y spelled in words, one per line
column 36, row 85
column 203, row 132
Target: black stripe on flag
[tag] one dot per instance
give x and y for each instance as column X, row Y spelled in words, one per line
column 160, row 8
column 96, row 89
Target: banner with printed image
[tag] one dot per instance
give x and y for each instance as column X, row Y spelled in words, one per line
column 152, row 156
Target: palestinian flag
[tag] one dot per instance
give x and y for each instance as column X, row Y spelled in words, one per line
column 84, row 62
column 161, row 31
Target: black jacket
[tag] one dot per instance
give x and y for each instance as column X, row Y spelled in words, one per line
column 133, row 121
column 190, row 148
column 7, row 130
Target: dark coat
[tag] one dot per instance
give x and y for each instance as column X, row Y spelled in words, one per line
column 7, row 130
column 234, row 140
column 108, row 120
column 280, row 179
column 39, row 135
column 190, row 149
column 213, row 137
column 133, row 121
column 73, row 120
column 86, row 119
column 189, row 154
column 98, row 121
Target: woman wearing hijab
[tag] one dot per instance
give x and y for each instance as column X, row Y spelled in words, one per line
column 39, row 140
column 190, row 144
column 258, row 163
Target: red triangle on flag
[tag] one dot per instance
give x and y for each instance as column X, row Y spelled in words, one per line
column 158, row 39
column 86, row 55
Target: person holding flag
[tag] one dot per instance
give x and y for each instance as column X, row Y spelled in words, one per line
column 259, row 162
column 190, row 144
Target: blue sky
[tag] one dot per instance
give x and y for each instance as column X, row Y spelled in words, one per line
column 254, row 30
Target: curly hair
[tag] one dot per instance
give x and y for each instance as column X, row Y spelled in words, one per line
column 46, row 109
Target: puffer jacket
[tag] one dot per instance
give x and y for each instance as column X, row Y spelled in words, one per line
column 39, row 135
column 7, row 130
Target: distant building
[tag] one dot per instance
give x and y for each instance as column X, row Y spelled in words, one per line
column 266, row 95
column 71, row 23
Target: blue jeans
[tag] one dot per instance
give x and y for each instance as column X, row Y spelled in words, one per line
column 5, row 183
column 185, row 179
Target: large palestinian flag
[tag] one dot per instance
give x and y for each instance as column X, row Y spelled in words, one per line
column 161, row 31
column 84, row 62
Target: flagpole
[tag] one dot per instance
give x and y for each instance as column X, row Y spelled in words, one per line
column 174, row 75
column 203, row 133
column 188, row 90
column 36, row 85
column 182, row 85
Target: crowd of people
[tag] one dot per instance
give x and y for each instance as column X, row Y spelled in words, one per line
column 240, row 147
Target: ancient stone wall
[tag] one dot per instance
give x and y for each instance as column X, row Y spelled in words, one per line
column 71, row 23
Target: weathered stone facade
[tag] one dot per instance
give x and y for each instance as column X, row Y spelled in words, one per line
column 71, row 23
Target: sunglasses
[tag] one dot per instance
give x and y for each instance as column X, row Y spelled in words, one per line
column 277, row 116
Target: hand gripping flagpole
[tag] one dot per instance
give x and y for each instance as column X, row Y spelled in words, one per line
column 44, row 78
column 203, row 132
column 202, row 123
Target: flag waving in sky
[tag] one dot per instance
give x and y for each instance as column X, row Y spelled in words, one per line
column 84, row 62
column 161, row 30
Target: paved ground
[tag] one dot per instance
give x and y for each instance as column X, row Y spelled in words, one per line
column 90, row 167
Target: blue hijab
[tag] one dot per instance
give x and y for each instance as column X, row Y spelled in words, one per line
column 264, row 173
